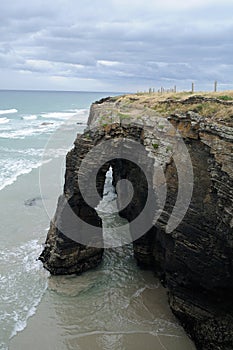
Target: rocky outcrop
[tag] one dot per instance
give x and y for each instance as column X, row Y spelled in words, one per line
column 195, row 259
column 63, row 253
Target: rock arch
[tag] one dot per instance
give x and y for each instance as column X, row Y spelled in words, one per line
column 195, row 260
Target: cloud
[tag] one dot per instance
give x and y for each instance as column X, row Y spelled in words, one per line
column 116, row 45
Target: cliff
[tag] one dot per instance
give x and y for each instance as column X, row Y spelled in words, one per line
column 177, row 154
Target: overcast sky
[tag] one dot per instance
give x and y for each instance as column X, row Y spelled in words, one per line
column 115, row 45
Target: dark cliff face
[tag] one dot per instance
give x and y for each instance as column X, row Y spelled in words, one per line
column 195, row 260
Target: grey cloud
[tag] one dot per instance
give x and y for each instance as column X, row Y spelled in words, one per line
column 147, row 42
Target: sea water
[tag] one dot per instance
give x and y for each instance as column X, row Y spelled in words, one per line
column 117, row 305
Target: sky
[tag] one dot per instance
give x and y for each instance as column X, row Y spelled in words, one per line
column 116, row 45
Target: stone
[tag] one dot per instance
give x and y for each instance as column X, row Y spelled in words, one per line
column 194, row 261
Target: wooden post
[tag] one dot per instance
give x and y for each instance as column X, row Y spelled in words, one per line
column 215, row 86
column 192, row 88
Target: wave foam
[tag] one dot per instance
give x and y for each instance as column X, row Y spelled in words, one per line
column 65, row 115
column 58, row 115
column 4, row 120
column 37, row 152
column 8, row 111
column 22, row 133
column 30, row 117
column 20, row 325
column 12, row 169
column 79, row 111
column 21, row 297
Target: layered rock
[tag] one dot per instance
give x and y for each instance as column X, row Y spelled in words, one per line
column 63, row 252
column 195, row 259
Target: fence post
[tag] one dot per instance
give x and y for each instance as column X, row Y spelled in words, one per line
column 215, row 86
column 192, row 88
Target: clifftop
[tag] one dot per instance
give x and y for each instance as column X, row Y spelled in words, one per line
column 216, row 107
column 206, row 117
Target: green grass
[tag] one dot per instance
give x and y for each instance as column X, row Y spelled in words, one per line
column 168, row 148
column 198, row 108
column 123, row 116
column 160, row 126
column 155, row 145
column 87, row 136
column 225, row 98
column 105, row 120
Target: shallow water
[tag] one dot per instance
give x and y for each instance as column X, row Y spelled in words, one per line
column 117, row 306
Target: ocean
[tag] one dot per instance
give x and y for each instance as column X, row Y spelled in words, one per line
column 117, row 305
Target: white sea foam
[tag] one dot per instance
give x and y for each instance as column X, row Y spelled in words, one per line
column 8, row 111
column 65, row 115
column 30, row 117
column 69, row 119
column 18, row 134
column 20, row 324
column 22, row 133
column 4, row 120
column 11, row 169
column 20, row 297
column 58, row 115
column 79, row 111
column 37, row 152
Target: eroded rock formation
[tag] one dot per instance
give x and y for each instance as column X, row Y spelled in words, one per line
column 195, row 260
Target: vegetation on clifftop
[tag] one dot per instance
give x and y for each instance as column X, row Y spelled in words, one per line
column 216, row 106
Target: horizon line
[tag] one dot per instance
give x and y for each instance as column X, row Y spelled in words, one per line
column 82, row 91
